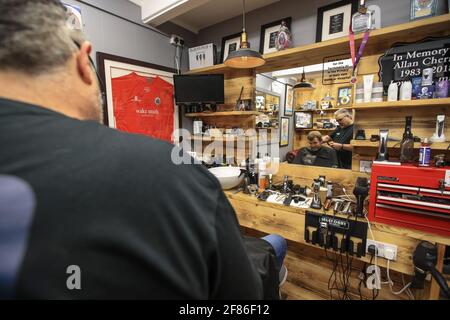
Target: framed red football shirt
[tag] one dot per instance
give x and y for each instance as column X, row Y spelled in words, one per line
column 144, row 105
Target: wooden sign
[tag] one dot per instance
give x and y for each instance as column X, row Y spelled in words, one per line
column 336, row 70
column 407, row 60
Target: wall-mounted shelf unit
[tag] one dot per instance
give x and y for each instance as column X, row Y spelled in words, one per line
column 224, row 139
column 222, row 114
column 396, row 144
column 316, row 129
column 445, row 102
column 379, row 40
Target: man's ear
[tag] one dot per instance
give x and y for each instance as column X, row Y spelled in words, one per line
column 83, row 63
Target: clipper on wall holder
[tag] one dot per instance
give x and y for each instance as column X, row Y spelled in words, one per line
column 439, row 135
column 339, row 234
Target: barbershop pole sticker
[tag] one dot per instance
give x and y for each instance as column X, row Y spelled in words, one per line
column 408, row 60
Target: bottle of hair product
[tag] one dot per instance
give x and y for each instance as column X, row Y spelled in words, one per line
column 262, row 176
column 407, row 144
column 424, row 153
column 393, row 92
column 406, row 91
column 197, row 126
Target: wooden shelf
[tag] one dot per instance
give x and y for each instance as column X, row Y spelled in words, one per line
column 329, row 109
column 445, row 102
column 396, row 144
column 269, row 112
column 218, row 68
column 222, row 114
column 379, row 41
column 315, row 129
column 211, row 139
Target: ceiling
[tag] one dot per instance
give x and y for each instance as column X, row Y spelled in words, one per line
column 197, row 17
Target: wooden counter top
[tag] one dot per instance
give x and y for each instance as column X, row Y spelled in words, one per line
column 289, row 222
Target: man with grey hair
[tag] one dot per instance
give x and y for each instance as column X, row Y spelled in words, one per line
column 114, row 217
column 340, row 138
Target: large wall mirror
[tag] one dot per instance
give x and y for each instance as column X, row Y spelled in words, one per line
column 318, row 137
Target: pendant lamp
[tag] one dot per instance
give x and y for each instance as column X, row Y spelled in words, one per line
column 244, row 58
column 303, row 85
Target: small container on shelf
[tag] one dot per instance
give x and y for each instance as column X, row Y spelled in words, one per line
column 442, row 89
column 359, row 94
column 377, row 92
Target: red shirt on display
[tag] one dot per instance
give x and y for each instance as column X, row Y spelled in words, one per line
column 143, row 105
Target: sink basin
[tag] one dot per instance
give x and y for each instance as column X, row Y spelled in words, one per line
column 229, row 177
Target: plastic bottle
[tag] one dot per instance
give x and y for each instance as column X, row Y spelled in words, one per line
column 262, row 176
column 424, row 153
column 406, row 91
column 393, row 92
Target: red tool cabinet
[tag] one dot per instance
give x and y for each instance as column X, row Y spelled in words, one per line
column 411, row 196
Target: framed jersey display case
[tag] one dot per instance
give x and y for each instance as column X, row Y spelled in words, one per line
column 139, row 97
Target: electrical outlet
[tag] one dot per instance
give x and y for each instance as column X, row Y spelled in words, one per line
column 176, row 40
column 384, row 250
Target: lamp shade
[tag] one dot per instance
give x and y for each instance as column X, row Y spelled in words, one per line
column 244, row 58
column 304, row 85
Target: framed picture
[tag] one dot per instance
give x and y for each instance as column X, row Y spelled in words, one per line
column 138, row 97
column 289, row 101
column 344, row 96
column 269, row 33
column 303, row 120
column 229, row 44
column 284, row 132
column 423, row 9
column 333, row 21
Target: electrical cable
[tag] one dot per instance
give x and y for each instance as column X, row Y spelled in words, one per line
column 391, row 283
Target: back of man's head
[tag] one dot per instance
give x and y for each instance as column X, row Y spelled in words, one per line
column 33, row 36
column 44, row 62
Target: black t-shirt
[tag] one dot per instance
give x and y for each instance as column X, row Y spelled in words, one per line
column 324, row 157
column 344, row 136
column 114, row 204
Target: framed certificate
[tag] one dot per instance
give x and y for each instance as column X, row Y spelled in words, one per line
column 333, row 20
column 229, row 44
column 269, row 34
column 423, row 9
column 303, row 120
column 284, row 132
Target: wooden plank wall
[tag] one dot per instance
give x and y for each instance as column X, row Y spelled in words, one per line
column 234, row 81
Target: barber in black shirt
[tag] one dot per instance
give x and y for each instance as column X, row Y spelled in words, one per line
column 340, row 138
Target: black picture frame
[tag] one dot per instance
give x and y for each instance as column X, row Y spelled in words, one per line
column 289, row 109
column 322, row 10
column 127, row 64
column 281, row 131
column 417, row 14
column 264, row 27
column 309, row 125
column 340, row 102
column 224, row 40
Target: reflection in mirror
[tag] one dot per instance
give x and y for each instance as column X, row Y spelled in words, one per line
column 321, row 132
